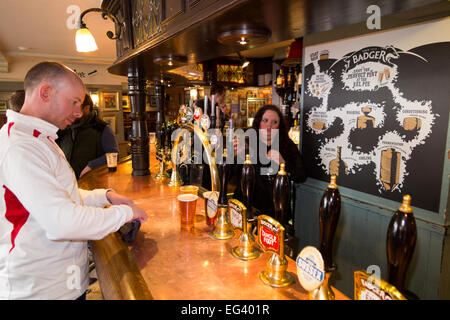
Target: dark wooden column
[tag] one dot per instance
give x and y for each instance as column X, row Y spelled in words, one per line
column 139, row 133
column 160, row 118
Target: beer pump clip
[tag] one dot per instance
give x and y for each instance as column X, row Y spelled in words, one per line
column 197, row 115
column 205, row 122
column 247, row 248
column 369, row 287
column 212, row 204
column 189, row 115
column 182, row 114
column 310, row 269
column 271, row 238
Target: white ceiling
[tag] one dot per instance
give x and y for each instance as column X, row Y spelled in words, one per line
column 36, row 30
column 44, row 29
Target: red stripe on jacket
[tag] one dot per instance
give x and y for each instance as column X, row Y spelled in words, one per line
column 15, row 213
column 9, row 127
column 36, row 133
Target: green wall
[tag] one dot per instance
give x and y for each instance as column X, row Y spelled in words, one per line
column 360, row 241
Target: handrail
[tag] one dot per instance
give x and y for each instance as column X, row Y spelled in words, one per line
column 117, row 272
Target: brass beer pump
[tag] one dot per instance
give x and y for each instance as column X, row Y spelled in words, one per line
column 222, row 228
column 162, row 152
column 329, row 212
column 271, row 238
column 247, row 248
column 175, row 179
column 400, row 244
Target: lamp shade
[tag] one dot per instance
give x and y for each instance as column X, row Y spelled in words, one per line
column 295, row 49
column 84, row 40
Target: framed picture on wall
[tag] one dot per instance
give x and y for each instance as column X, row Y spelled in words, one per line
column 111, row 121
column 150, row 103
column 110, row 101
column 126, row 106
column 3, row 105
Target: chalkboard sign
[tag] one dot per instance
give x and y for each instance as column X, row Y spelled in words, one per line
column 376, row 113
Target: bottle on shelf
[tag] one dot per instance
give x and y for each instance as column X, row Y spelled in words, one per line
column 294, row 132
column 289, row 81
column 280, row 79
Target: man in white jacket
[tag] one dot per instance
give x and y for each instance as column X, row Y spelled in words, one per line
column 45, row 219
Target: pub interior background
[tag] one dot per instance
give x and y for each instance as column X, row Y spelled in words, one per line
column 26, row 38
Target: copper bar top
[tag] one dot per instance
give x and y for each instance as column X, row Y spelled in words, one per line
column 179, row 265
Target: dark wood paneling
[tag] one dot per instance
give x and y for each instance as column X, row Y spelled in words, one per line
column 2, row 119
column 194, row 34
column 172, row 9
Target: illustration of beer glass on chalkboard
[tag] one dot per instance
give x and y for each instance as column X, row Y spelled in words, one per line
column 390, row 168
column 337, row 166
column 386, row 74
column 366, row 121
column 412, row 123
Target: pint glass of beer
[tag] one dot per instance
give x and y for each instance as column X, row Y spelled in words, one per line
column 187, row 204
column 111, row 160
column 189, row 190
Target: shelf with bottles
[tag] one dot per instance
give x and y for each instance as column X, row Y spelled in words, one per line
column 288, row 82
column 243, row 103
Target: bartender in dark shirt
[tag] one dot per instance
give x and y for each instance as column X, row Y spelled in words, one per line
column 269, row 117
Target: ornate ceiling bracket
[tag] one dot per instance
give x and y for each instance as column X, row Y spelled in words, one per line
column 146, row 19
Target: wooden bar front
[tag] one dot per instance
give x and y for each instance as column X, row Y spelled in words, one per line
column 175, row 264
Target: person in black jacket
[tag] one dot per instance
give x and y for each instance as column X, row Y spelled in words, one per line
column 87, row 140
column 16, row 100
column 267, row 118
column 219, row 92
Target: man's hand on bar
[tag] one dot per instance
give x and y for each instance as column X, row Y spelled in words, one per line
column 139, row 214
column 115, row 198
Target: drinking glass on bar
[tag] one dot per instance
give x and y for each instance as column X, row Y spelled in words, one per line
column 187, row 204
column 111, row 159
column 152, row 137
column 189, row 190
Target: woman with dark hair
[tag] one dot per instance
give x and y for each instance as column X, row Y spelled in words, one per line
column 267, row 119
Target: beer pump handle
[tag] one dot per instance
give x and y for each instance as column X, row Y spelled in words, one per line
column 281, row 196
column 329, row 212
column 223, row 169
column 169, row 131
column 400, row 243
column 213, row 113
column 247, row 186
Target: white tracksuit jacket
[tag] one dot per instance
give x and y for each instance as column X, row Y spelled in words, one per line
column 45, row 219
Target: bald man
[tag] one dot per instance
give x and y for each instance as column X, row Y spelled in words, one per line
column 45, row 219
